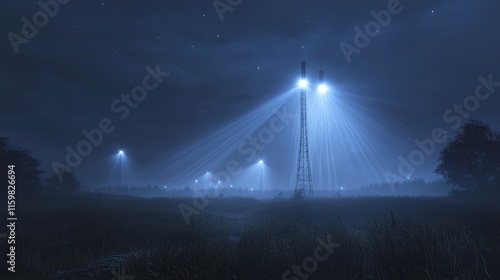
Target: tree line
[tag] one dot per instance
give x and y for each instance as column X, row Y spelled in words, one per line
column 470, row 162
column 28, row 175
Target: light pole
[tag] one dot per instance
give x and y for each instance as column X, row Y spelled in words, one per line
column 304, row 175
column 207, row 180
column 120, row 168
column 261, row 179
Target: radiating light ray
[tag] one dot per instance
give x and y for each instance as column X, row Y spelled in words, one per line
column 349, row 144
column 115, row 172
column 345, row 142
column 119, row 176
column 254, row 177
column 213, row 152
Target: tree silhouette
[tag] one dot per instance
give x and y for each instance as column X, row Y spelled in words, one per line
column 27, row 168
column 68, row 184
column 471, row 161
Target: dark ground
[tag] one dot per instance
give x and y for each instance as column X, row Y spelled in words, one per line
column 93, row 236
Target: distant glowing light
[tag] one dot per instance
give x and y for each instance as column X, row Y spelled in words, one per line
column 303, row 83
column 322, row 88
column 231, row 186
column 341, row 188
column 261, row 161
column 120, row 152
column 196, row 181
column 219, row 182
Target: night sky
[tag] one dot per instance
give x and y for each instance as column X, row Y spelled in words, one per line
column 65, row 78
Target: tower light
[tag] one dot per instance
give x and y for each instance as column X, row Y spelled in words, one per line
column 322, row 87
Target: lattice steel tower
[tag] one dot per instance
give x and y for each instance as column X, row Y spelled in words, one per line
column 304, row 178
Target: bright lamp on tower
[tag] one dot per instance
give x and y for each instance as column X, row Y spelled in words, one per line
column 322, row 88
column 303, row 83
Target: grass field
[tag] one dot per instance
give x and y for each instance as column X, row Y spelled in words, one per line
column 109, row 237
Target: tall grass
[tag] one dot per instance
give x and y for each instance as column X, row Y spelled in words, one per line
column 380, row 238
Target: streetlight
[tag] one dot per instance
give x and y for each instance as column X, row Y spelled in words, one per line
column 207, row 180
column 120, row 168
column 261, row 177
